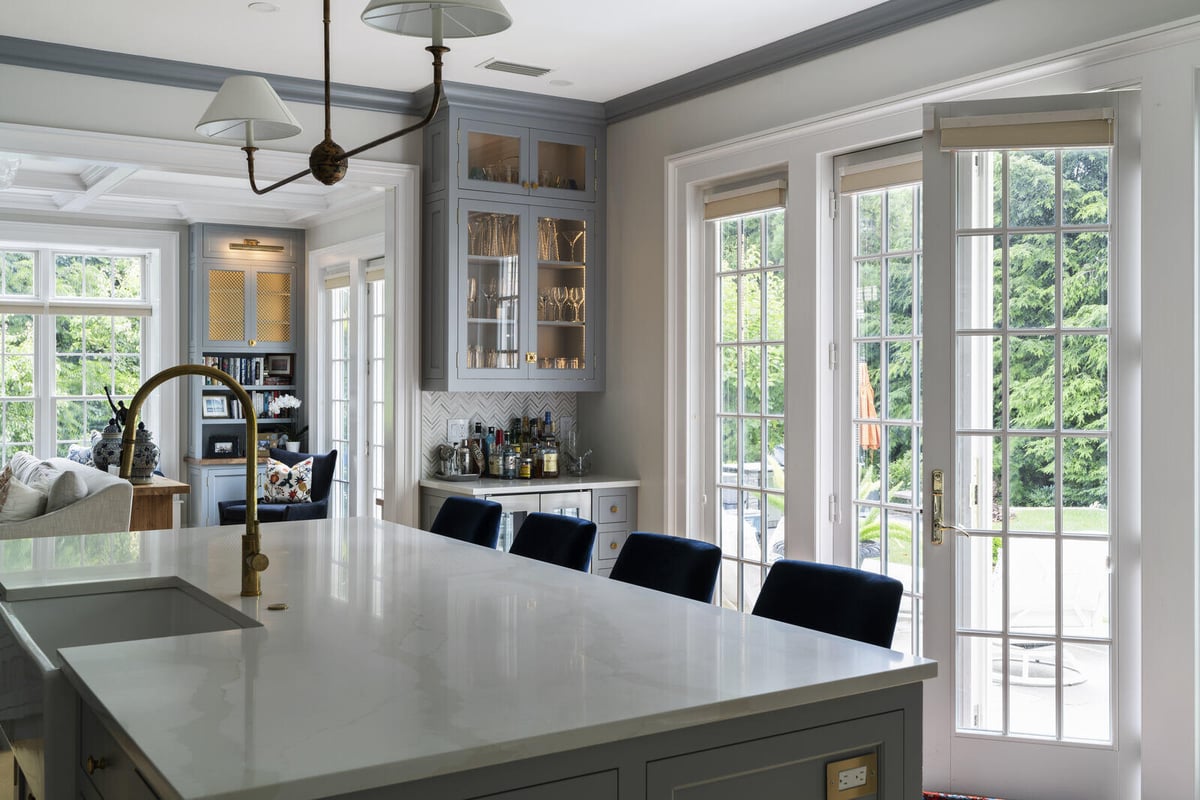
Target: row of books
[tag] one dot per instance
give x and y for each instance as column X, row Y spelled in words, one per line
column 248, row 371
column 262, row 404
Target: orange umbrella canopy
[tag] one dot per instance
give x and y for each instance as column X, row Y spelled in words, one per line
column 868, row 432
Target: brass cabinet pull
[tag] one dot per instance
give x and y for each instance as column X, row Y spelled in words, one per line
column 252, row 342
column 94, row 764
column 612, row 546
column 525, row 184
column 613, row 509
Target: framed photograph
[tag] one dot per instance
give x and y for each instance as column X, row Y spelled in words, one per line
column 223, row 446
column 279, row 365
column 267, row 440
column 216, row 406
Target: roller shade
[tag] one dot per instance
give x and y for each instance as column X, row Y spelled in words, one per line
column 337, row 278
column 880, row 174
column 1092, row 127
column 745, row 200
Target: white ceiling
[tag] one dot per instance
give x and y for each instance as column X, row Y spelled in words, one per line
column 603, row 48
column 596, row 51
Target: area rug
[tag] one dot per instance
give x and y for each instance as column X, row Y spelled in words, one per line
column 943, row 796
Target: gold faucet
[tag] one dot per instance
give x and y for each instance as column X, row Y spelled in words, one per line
column 254, row 560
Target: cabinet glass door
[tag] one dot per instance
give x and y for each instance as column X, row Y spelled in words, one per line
column 273, row 303
column 493, row 290
column 227, row 305
column 494, row 156
column 562, row 299
column 563, row 165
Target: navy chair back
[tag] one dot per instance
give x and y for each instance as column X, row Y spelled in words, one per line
column 469, row 519
column 233, row 512
column 839, row 600
column 671, row 564
column 555, row 539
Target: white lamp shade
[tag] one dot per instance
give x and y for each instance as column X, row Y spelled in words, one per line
column 243, row 100
column 460, row 20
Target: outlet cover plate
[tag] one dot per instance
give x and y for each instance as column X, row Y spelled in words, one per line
column 847, row 771
column 457, row 429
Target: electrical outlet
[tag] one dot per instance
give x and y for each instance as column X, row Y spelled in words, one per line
column 850, row 778
column 457, row 429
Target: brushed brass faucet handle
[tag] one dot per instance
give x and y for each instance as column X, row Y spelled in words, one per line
column 258, row 562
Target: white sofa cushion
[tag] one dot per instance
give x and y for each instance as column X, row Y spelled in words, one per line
column 61, row 487
column 18, row 501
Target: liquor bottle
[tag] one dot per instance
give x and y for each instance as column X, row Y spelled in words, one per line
column 489, row 443
column 478, row 458
column 508, row 461
column 525, row 465
column 496, row 456
column 548, row 452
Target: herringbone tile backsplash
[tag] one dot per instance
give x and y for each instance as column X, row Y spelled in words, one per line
column 490, row 408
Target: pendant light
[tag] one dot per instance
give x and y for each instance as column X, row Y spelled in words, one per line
column 248, row 109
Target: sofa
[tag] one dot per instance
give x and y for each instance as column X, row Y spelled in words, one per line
column 90, row 501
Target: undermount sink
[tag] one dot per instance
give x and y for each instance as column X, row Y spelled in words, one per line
column 101, row 617
column 39, row 713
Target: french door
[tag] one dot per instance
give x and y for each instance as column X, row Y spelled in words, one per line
column 1025, row 423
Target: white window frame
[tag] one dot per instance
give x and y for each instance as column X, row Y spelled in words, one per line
column 161, row 339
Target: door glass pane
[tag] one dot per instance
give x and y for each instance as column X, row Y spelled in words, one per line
column 1044, row 472
column 492, row 288
column 562, row 302
column 749, row 312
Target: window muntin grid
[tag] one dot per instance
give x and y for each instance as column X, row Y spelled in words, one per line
column 339, row 396
column 886, row 410
column 749, row 287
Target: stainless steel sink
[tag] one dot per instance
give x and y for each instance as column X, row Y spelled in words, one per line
column 38, row 707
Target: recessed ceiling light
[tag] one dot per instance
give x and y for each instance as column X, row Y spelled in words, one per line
column 262, row 7
column 561, row 82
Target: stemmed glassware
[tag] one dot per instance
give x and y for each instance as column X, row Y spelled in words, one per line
column 575, row 301
column 490, row 294
column 559, row 295
column 572, row 238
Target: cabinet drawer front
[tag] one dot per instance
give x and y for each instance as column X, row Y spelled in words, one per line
column 597, row 786
column 112, row 772
column 612, row 508
column 609, row 544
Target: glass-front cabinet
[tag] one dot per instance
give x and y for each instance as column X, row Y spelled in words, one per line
column 526, row 161
column 524, row 292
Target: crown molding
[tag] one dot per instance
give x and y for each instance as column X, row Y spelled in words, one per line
column 840, row 34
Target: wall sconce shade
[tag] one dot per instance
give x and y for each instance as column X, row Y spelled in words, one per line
column 247, row 101
column 461, row 19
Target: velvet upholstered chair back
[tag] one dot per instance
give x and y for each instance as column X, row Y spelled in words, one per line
column 839, row 600
column 469, row 519
column 322, row 474
column 555, row 539
column 685, row 567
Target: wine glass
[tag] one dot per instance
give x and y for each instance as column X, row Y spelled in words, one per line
column 575, row 300
column 571, row 238
column 559, row 295
column 490, row 295
column 544, row 303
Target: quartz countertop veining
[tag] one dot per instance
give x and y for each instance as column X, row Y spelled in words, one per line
column 404, row 655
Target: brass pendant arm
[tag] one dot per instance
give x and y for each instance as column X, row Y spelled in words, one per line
column 273, row 186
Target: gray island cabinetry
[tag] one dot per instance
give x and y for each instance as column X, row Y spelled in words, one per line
column 410, row 664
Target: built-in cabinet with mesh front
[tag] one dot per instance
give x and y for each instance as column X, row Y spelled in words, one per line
column 245, row 321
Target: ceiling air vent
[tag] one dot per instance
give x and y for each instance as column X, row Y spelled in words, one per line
column 515, row 69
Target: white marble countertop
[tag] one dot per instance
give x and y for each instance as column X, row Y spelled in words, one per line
column 406, row 655
column 491, row 486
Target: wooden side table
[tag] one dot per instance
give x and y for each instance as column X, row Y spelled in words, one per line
column 153, row 502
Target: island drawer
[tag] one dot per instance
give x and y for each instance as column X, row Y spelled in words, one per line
column 105, row 765
column 596, row 786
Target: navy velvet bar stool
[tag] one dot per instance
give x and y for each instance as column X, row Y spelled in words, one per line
column 469, row 519
column 555, row 539
column 671, row 564
column 839, row 600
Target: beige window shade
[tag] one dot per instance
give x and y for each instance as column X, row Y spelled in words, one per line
column 880, row 175
column 1092, row 127
column 337, row 280
column 375, row 269
column 746, row 200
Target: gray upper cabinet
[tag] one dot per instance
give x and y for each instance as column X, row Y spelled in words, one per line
column 245, row 287
column 513, row 261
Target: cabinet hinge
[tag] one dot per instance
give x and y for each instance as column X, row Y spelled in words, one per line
column 834, row 514
column 833, row 355
column 833, row 204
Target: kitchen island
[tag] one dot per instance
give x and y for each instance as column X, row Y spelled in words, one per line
column 409, row 659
